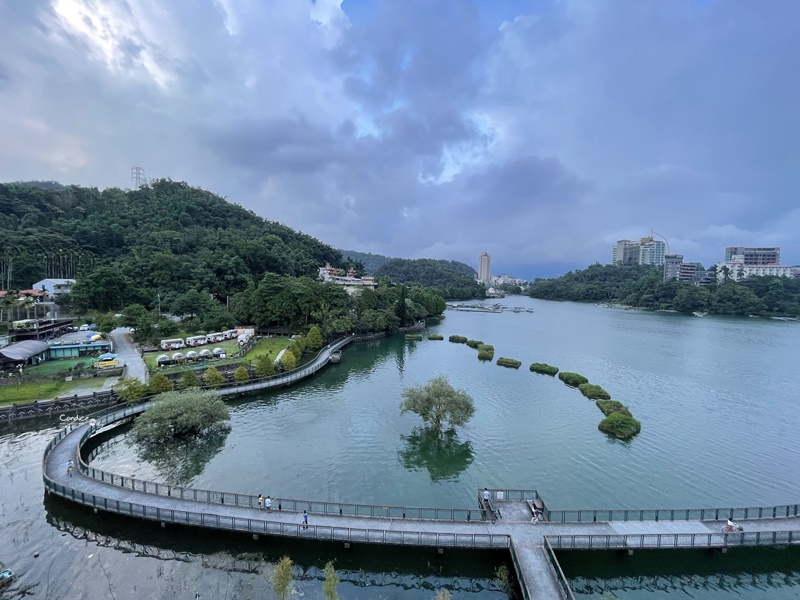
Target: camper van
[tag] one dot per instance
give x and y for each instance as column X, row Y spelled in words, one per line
column 175, row 344
column 196, row 340
column 231, row 334
column 213, row 338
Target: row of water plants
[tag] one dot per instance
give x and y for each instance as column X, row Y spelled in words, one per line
column 618, row 421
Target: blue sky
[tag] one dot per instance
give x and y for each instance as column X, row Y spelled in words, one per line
column 538, row 131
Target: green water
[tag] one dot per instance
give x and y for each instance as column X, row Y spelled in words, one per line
column 716, row 398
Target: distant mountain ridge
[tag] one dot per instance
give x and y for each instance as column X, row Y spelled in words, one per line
column 373, row 262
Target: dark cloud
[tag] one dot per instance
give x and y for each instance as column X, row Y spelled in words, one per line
column 427, row 129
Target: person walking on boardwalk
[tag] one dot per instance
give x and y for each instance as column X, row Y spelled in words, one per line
column 70, row 467
column 268, row 504
column 305, row 519
column 485, row 495
column 260, row 501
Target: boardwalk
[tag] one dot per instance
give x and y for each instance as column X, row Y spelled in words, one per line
column 530, row 544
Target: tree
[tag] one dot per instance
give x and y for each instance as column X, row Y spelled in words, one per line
column 282, row 577
column 160, row 383
column 213, row 377
column 331, row 581
column 189, row 379
column 401, row 308
column 288, row 361
column 181, row 414
column 241, row 374
column 438, row 403
column 265, row 366
column 314, row 338
column 131, row 389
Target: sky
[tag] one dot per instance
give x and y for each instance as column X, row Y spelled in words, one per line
column 539, row 131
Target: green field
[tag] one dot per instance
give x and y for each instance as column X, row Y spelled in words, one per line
column 270, row 346
column 58, row 366
column 48, row 390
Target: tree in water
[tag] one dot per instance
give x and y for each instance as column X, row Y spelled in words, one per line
column 282, row 577
column 180, row 415
column 438, row 403
column 331, row 581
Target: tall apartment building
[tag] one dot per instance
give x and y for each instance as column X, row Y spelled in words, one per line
column 675, row 268
column 672, row 266
column 753, row 256
column 646, row 251
column 484, row 267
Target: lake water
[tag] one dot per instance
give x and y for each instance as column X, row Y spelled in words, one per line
column 716, row 397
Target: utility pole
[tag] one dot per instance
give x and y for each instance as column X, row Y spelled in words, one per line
column 137, row 175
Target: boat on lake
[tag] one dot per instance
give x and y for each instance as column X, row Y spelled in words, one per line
column 335, row 356
column 699, row 314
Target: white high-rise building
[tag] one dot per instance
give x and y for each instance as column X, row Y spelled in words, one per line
column 484, row 267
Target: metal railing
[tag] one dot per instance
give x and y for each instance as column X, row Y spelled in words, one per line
column 673, row 540
column 668, row 514
column 259, row 526
column 561, row 580
column 520, row 577
column 107, row 417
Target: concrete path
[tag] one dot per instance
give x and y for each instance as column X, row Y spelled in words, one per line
column 127, row 352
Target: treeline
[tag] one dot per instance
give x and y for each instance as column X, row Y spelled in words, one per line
column 445, row 276
column 169, row 248
column 126, row 247
column 643, row 287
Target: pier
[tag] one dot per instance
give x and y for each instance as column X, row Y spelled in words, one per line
column 532, row 545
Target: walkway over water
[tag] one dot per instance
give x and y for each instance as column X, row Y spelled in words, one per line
column 531, row 545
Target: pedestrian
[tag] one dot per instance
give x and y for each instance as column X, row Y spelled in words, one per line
column 305, row 519
column 485, row 495
column 268, row 504
column 260, row 500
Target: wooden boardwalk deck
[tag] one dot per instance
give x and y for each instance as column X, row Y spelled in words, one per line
column 531, row 545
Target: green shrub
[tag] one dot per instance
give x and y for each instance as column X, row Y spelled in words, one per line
column 435, row 338
column 241, row 374
column 160, row 383
column 508, row 362
column 458, row 339
column 414, row 336
column 544, row 369
column 594, row 392
column 189, row 379
column 213, row 377
column 264, row 366
column 620, row 426
column 485, row 352
column 572, row 379
column 612, row 406
column 474, row 343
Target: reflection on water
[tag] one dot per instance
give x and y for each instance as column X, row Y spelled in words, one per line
column 744, row 573
column 212, row 557
column 442, row 454
column 179, row 461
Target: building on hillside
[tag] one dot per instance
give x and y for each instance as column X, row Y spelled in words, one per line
column 672, row 266
column 675, row 268
column 506, row 279
column 753, row 256
column 736, row 270
column 348, row 280
column 484, row 268
column 54, row 287
column 647, row 251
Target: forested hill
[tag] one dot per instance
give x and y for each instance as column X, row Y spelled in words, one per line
column 644, row 287
column 136, row 244
column 437, row 274
column 373, row 262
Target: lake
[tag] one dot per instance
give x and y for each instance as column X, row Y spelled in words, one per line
column 716, row 397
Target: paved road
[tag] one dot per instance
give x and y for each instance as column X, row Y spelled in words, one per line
column 129, row 353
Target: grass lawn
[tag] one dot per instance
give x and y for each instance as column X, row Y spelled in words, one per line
column 59, row 366
column 270, row 346
column 28, row 392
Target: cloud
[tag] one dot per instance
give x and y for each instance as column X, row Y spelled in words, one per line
column 538, row 133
